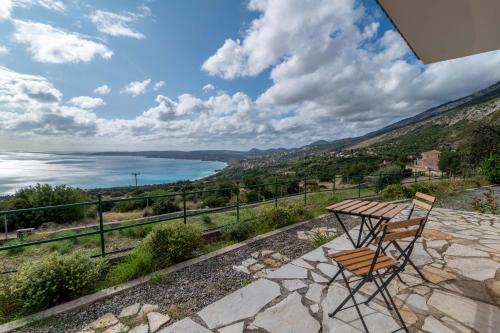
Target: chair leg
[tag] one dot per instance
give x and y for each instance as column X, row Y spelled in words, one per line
column 341, row 268
column 383, row 295
column 385, row 284
column 396, row 309
column 352, row 292
column 403, row 254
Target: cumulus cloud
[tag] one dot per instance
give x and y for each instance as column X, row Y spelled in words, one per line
column 5, row 9
column 54, row 45
column 86, row 102
column 31, row 105
column 333, row 73
column 116, row 24
column 136, row 88
column 102, row 90
column 158, row 85
column 208, row 87
column 333, row 70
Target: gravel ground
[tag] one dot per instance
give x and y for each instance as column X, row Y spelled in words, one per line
column 464, row 199
column 190, row 289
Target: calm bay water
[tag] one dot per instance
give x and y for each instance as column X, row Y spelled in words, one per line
column 19, row 170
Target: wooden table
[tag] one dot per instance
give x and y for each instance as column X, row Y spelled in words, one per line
column 367, row 210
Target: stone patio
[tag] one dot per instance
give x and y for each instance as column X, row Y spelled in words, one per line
column 459, row 254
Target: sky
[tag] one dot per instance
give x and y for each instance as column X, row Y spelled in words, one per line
column 94, row 75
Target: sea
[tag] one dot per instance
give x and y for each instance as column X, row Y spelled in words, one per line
column 22, row 169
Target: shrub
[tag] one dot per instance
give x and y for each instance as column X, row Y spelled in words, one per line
column 129, row 205
column 164, row 206
column 55, row 279
column 45, row 195
column 9, row 304
column 490, row 167
column 172, row 242
column 138, row 263
column 489, row 205
column 387, row 176
column 238, row 231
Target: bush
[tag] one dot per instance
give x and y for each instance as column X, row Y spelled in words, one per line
column 9, row 305
column 238, row 231
column 164, row 206
column 387, row 176
column 55, row 279
column 129, row 205
column 138, row 263
column 490, row 167
column 172, row 243
column 45, row 195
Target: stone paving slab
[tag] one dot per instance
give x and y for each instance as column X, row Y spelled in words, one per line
column 459, row 255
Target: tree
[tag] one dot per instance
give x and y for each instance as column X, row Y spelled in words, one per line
column 450, row 162
column 484, row 141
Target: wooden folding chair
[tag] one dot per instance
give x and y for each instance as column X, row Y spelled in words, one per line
column 424, row 202
column 375, row 266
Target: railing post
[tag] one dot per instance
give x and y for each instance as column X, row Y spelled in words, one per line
column 6, row 226
column 415, row 175
column 276, row 192
column 305, row 190
column 101, row 224
column 429, row 175
column 359, row 188
column 334, row 181
column 184, row 206
column 238, row 205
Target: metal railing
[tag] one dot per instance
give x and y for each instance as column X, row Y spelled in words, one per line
column 305, row 187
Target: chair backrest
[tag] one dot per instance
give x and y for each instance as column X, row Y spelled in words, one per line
column 393, row 231
column 424, row 202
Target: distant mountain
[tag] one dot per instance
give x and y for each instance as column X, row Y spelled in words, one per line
column 438, row 123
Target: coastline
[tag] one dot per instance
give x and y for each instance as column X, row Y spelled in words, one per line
column 189, row 170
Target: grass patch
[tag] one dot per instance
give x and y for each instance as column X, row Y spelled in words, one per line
column 320, row 238
column 160, row 278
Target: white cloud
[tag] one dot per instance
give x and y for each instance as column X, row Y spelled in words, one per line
column 3, row 50
column 86, row 102
column 54, row 45
column 158, row 85
column 136, row 88
column 331, row 68
column 333, row 74
column 208, row 87
column 31, row 106
column 5, row 9
column 102, row 90
column 48, row 4
column 116, row 24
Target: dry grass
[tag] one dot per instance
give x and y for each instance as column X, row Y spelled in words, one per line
column 116, row 216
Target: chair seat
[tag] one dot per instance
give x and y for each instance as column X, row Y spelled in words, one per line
column 358, row 261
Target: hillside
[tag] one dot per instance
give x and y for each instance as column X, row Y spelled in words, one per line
column 446, row 125
column 449, row 125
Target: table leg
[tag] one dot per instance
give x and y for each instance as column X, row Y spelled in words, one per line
column 370, row 237
column 360, row 231
column 345, row 229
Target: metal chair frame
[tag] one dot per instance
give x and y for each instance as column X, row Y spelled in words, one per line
column 373, row 274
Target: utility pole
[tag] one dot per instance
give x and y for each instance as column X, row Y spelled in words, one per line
column 135, row 174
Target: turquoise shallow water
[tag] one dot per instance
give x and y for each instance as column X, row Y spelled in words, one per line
column 19, row 170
